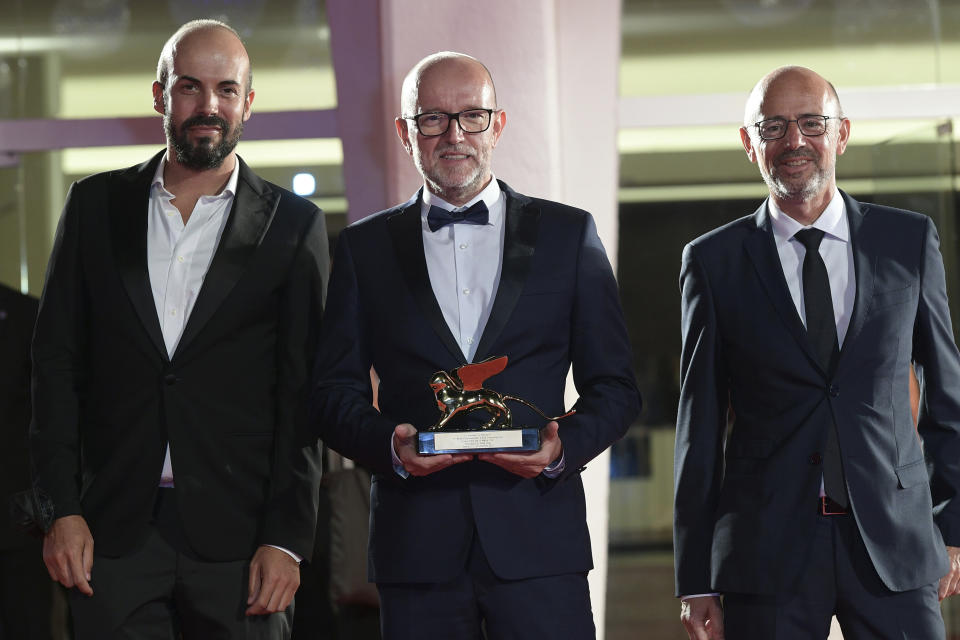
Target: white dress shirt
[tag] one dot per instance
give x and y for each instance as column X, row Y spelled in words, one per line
column 464, row 262
column 178, row 257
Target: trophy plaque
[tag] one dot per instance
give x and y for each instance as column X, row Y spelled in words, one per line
column 460, row 393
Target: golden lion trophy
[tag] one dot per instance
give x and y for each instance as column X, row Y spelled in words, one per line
column 460, row 392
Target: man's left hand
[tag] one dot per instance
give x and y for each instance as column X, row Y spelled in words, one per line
column 530, row 464
column 274, row 578
column 950, row 583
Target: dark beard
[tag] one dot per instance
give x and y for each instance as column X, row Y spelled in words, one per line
column 202, row 155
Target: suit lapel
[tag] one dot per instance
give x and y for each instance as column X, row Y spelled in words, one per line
column 762, row 249
column 128, row 204
column 864, row 264
column 407, row 237
column 519, row 240
column 253, row 207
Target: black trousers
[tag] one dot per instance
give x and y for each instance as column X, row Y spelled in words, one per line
column 478, row 604
column 840, row 580
column 26, row 593
column 164, row 592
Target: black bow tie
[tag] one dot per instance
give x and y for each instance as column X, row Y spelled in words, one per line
column 438, row 217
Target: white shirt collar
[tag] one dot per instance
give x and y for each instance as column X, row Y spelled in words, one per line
column 832, row 221
column 229, row 190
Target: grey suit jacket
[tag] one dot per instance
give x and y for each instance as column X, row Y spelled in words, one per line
column 745, row 500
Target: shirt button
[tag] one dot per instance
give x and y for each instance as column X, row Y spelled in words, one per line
column 179, row 258
column 469, row 340
column 463, row 245
column 173, row 312
column 466, row 292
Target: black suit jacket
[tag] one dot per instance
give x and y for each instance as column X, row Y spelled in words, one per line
column 17, row 316
column 107, row 399
column 745, row 504
column 556, row 305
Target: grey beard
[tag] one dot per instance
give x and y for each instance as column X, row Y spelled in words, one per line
column 810, row 189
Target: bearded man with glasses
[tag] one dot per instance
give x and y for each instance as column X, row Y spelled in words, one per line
column 801, row 481
column 469, row 269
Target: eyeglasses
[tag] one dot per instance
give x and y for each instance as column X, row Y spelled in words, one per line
column 436, row 123
column 810, row 126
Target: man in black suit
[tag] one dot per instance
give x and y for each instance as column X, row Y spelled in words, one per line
column 460, row 541
column 800, row 325
column 173, row 345
column 25, row 590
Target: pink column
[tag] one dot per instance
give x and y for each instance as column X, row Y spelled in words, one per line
column 364, row 126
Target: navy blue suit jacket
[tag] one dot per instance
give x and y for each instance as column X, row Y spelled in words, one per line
column 745, row 501
column 557, row 304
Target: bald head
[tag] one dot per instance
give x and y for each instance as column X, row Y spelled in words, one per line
column 446, row 68
column 789, row 79
column 212, row 33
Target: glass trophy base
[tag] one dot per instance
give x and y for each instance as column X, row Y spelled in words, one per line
column 488, row 441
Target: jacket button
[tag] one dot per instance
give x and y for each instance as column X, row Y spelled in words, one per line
column 833, row 390
column 815, row 458
column 170, row 379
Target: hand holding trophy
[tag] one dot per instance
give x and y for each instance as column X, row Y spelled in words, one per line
column 459, row 393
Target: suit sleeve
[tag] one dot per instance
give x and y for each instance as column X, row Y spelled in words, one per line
column 601, row 358
column 58, row 355
column 938, row 370
column 291, row 511
column 701, row 423
column 342, row 412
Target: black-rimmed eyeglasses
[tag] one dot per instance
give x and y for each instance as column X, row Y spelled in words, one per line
column 809, row 125
column 436, row 123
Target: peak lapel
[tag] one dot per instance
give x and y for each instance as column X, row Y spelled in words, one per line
column 762, row 249
column 253, row 207
column 864, row 265
column 519, row 240
column 405, row 231
column 128, row 204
